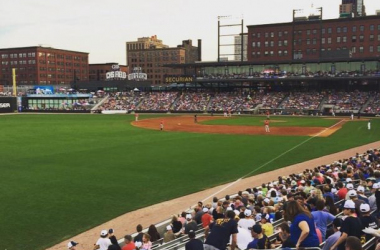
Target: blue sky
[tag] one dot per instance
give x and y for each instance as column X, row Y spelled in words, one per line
column 102, row 27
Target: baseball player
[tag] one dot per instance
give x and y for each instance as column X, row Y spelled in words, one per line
column 369, row 125
column 162, row 125
column 266, row 125
column 136, row 117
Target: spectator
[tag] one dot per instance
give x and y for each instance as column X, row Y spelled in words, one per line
column 368, row 220
column 330, row 206
column 169, row 235
column 193, row 244
column 190, row 224
column 260, row 240
column 284, row 235
column 353, row 243
column 113, row 239
column 140, row 234
column 221, row 231
column 330, row 241
column 248, row 221
column 322, row 218
column 351, row 226
column 153, row 233
column 103, row 242
column 129, row 244
column 71, row 245
column 176, row 224
column 302, row 229
column 266, row 225
column 206, row 217
column 146, row 243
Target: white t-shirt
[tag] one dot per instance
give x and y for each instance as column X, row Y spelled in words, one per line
column 103, row 243
column 246, row 223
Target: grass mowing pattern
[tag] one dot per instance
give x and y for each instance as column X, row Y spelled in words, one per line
column 63, row 174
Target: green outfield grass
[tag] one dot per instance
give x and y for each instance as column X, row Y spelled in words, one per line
column 276, row 121
column 64, row 174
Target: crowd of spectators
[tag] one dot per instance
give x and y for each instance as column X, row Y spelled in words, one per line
column 161, row 101
column 123, row 101
column 344, row 101
column 302, row 100
column 374, row 106
column 231, row 101
column 192, row 102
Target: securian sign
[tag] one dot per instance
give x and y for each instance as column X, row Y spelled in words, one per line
column 178, row 79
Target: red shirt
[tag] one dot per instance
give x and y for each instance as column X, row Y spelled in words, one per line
column 129, row 246
column 136, row 115
column 206, row 219
column 266, row 122
column 342, row 193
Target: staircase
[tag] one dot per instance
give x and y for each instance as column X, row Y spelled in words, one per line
column 366, row 104
column 99, row 104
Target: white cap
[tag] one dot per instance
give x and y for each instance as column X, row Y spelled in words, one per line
column 138, row 244
column 352, row 193
column 368, row 161
column 188, row 216
column 360, row 189
column 270, row 185
column 205, row 210
column 103, row 233
column 266, row 200
column 245, row 193
column 349, row 186
column 303, row 181
column 348, row 180
column 229, row 209
column 168, row 227
column 364, row 208
column 333, row 190
column 237, row 212
column 259, row 192
column 349, row 204
column 375, row 185
column 336, row 169
column 247, row 212
column 329, row 171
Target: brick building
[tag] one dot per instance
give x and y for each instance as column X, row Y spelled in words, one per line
column 315, row 40
column 151, row 54
column 42, row 65
column 98, row 71
column 352, row 8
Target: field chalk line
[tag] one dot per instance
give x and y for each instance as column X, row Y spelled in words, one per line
column 260, row 167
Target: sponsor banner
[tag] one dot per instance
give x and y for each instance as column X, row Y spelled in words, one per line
column 8, row 104
column 62, row 95
column 112, row 112
column 178, row 79
column 44, row 90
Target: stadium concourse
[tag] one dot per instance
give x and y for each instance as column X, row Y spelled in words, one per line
column 358, row 166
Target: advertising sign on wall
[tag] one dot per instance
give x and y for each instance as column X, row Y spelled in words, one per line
column 8, row 104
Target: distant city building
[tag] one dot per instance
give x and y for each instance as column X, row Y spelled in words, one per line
column 150, row 54
column 98, row 71
column 315, row 40
column 237, row 47
column 43, row 65
column 352, row 8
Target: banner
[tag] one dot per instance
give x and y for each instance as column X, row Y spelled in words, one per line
column 8, row 104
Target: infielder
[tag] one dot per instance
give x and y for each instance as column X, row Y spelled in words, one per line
column 266, row 125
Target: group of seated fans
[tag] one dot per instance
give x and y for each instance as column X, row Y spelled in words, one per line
column 242, row 101
column 329, row 207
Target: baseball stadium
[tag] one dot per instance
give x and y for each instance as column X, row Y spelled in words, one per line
column 128, row 164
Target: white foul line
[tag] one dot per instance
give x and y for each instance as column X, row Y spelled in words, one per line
column 260, row 167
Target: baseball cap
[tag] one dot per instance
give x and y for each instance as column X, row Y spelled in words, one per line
column 333, row 190
column 103, row 233
column 349, row 186
column 349, row 204
column 168, row 227
column 337, row 222
column 111, row 231
column 229, row 209
column 245, row 192
column 257, row 229
column 360, row 189
column 352, row 193
column 236, row 212
column 302, row 182
column 191, row 234
column 329, row 171
column 348, row 180
column 364, row 208
column 205, row 210
column 247, row 212
column 266, row 200
column 71, row 244
column 375, row 185
column 188, row 216
column 265, row 216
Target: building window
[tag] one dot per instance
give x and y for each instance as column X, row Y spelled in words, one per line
column 258, row 44
column 323, row 31
column 253, row 54
column 307, row 51
column 361, row 38
column 266, row 53
column 338, row 30
column 314, row 31
column 308, row 32
column 253, row 34
column 371, row 37
column 307, row 41
column 361, row 49
column 353, row 39
column 329, row 30
column 353, row 50
column 271, row 53
column 258, row 54
column 285, row 33
column 280, row 33
column 372, row 27
column 286, row 52
column 299, row 41
column 344, row 29
column 300, row 32
column 279, row 43
column 266, row 34
column 285, row 42
column 378, row 48
column 371, row 48
column 279, row 53
column 266, row 44
column 378, row 37
column 314, row 41
column 353, row 28
column 344, row 39
column 253, row 44
column 338, row 39
column 271, row 43
column 272, row 34
column 314, row 51
column 323, row 40
column 329, row 40
column 258, row 35
column 361, row 27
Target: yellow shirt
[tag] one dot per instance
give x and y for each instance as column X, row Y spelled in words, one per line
column 267, row 229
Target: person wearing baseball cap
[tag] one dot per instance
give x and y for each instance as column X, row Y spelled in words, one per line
column 103, row 242
column 248, row 221
column 206, row 218
column 190, row 224
column 367, row 219
column 194, row 243
column 266, row 225
column 168, row 235
column 71, row 245
column 372, row 199
column 260, row 240
column 351, row 226
column 360, row 190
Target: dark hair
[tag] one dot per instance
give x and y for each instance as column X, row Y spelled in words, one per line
column 139, row 228
column 330, row 203
column 153, row 233
column 273, row 194
column 353, row 243
column 320, row 204
column 128, row 237
column 285, row 227
column 293, row 209
column 215, row 199
column 230, row 214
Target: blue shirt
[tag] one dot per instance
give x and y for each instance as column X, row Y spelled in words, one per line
column 295, row 232
column 322, row 219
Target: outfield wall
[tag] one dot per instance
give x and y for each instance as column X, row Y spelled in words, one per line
column 8, row 104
